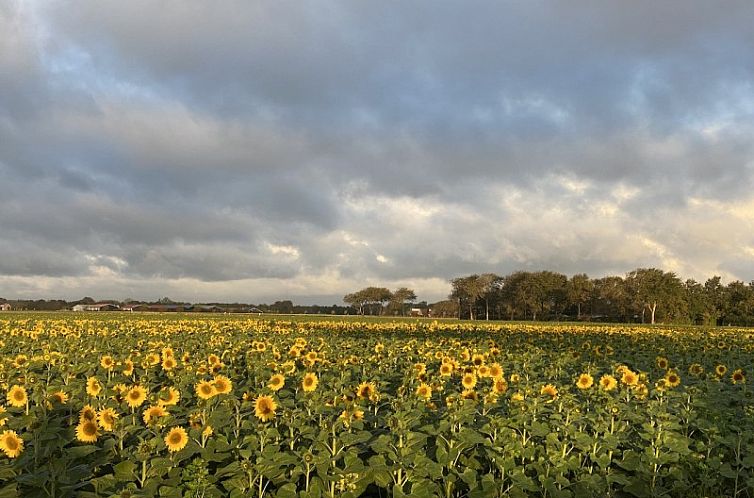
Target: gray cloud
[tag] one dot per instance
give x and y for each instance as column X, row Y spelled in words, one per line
column 270, row 150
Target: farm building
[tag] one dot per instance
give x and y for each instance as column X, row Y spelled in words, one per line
column 5, row 307
column 96, row 307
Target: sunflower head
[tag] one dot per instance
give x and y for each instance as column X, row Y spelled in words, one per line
column 276, row 382
column 87, row 431
column 106, row 419
column 549, row 390
column 500, row 386
column 738, row 376
column 264, row 408
column 176, row 439
column 672, row 379
column 153, row 414
column 629, row 378
column 205, row 389
column 222, row 384
column 59, row 397
column 424, row 391
column 310, row 382
column 468, row 381
column 11, row 444
column 608, row 382
column 585, row 381
column 136, row 396
column 93, row 387
column 17, row 396
column 366, row 390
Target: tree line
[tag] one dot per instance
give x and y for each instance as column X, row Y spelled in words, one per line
column 380, row 301
column 644, row 295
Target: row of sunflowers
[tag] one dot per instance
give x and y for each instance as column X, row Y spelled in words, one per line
column 130, row 405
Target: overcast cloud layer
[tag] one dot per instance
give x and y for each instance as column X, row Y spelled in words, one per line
column 256, row 151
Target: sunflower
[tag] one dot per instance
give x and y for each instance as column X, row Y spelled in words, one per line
column 366, row 390
column 169, row 396
column 222, row 384
column 169, row 363
column 424, row 391
column 310, row 382
column 499, row 386
column 176, row 440
column 379, row 348
column 153, row 413
column 2, row 418
column 20, row 361
column 205, row 389
column 128, row 368
column 477, row 360
column 470, row 394
column 11, row 444
column 93, row 387
column 17, row 396
column 696, row 369
column 213, row 358
column 641, row 390
column 629, row 378
column 496, row 371
column 59, row 397
column 672, row 379
column 264, row 408
column 106, row 419
column 608, row 382
column 420, row 369
column 585, row 381
column 446, row 370
column 153, row 359
column 136, row 396
column 483, row 371
column 662, row 363
column 549, row 390
column 276, row 382
column 720, row 370
column 738, row 376
column 107, row 362
column 468, row 381
column 87, row 431
column 88, row 413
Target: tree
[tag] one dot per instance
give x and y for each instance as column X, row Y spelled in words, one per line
column 521, row 292
column 467, row 290
column 369, row 298
column 400, row 297
column 551, row 289
column 650, row 288
column 578, row 291
column 445, row 309
column 715, row 296
column 610, row 297
column 490, row 286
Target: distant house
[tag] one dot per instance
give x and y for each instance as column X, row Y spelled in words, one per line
column 5, row 307
column 417, row 311
column 96, row 307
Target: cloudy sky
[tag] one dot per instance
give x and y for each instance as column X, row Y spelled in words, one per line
column 257, row 151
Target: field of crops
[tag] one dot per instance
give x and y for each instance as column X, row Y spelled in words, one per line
column 118, row 405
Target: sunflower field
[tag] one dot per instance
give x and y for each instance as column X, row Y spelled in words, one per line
column 208, row 406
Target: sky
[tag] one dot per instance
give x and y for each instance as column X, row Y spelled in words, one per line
column 256, row 151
